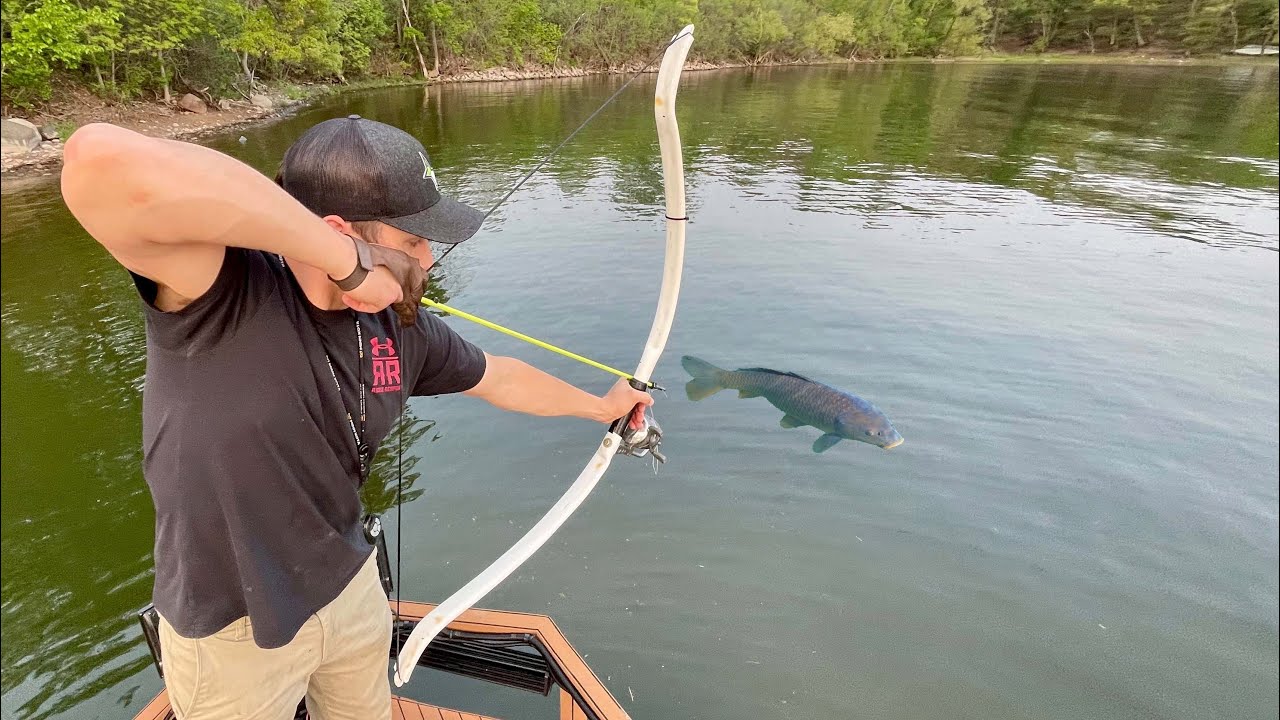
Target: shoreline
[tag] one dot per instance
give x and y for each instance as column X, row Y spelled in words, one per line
column 168, row 121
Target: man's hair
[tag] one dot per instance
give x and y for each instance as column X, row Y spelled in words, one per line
column 369, row 230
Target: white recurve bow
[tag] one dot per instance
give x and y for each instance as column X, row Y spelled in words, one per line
column 673, row 180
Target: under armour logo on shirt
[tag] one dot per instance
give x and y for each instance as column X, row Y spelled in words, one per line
column 386, row 366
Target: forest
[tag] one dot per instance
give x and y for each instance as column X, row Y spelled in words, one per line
column 124, row 49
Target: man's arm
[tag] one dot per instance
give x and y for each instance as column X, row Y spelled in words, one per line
column 167, row 209
column 511, row 384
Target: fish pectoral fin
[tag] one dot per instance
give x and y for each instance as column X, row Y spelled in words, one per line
column 791, row 421
column 825, row 442
column 744, row 393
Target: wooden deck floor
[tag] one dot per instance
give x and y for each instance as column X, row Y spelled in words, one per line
column 401, row 709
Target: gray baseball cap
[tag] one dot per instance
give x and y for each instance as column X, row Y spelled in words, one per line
column 361, row 169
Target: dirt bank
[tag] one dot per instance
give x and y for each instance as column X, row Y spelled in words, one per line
column 75, row 107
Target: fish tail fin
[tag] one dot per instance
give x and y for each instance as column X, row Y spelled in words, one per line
column 706, row 378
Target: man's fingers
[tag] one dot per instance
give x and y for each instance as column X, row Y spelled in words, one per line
column 399, row 291
column 357, row 305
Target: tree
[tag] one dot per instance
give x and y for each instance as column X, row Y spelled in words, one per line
column 156, row 28
column 130, row 47
column 43, row 35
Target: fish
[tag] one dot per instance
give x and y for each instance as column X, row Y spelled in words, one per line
column 838, row 414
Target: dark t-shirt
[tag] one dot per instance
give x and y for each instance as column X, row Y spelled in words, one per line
column 246, row 446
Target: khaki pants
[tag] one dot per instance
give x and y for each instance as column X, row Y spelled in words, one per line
column 338, row 661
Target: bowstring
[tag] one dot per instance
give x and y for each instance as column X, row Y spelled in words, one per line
column 541, row 163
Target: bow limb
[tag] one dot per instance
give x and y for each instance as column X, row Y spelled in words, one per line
column 673, row 181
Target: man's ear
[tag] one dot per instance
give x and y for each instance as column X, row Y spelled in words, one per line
column 342, row 226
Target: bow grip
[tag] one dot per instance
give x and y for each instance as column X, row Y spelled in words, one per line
column 620, row 424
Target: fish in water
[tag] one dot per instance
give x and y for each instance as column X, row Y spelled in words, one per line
column 838, row 414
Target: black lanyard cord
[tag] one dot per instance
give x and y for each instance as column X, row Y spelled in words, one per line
column 362, row 448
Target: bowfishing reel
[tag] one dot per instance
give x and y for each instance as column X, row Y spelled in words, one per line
column 644, row 440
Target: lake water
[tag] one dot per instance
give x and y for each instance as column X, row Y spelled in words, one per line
column 1059, row 282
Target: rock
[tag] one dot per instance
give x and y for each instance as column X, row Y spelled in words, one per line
column 40, row 156
column 49, row 132
column 261, row 101
column 224, row 104
column 192, row 103
column 19, row 136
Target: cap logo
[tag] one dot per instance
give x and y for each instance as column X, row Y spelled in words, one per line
column 427, row 170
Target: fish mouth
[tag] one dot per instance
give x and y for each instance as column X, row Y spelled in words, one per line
column 894, row 444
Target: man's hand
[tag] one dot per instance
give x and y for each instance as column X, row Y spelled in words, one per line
column 396, row 280
column 624, row 400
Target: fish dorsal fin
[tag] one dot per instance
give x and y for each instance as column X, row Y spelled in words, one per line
column 777, row 372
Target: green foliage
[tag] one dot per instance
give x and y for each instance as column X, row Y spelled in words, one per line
column 1229, row 23
column 362, row 25
column 126, row 48
column 833, row 35
column 965, row 21
column 44, row 35
column 509, row 32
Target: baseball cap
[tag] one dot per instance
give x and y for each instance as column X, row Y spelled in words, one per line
column 361, row 169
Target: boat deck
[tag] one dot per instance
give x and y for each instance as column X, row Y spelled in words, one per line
column 590, row 699
column 401, row 709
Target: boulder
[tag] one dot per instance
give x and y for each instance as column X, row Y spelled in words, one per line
column 259, row 100
column 192, row 103
column 224, row 104
column 19, row 136
column 49, row 132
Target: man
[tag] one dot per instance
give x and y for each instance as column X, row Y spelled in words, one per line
column 283, row 336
